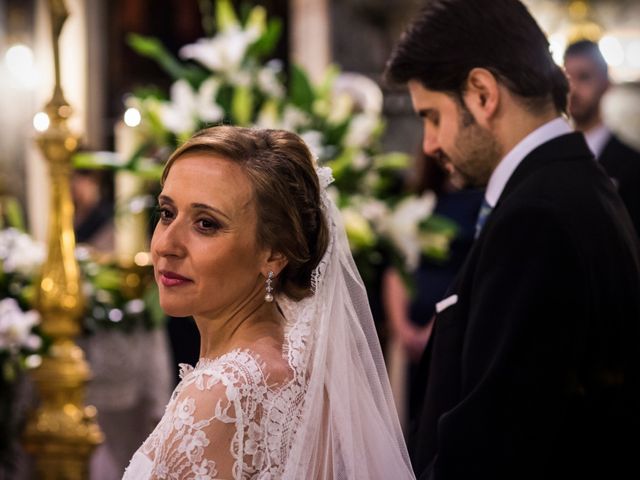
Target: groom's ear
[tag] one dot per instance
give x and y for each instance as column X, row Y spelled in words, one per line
column 482, row 95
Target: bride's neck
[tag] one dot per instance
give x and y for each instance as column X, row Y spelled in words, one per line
column 255, row 320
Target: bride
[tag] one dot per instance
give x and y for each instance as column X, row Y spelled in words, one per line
column 291, row 381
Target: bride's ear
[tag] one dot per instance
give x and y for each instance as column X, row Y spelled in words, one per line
column 275, row 263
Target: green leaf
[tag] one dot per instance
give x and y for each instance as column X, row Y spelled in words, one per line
column 242, row 105
column 341, row 163
column 257, row 20
column 153, row 122
column 436, row 234
column 97, row 160
column 225, row 16
column 265, row 45
column 435, row 246
column 152, row 48
column 301, row 90
column 149, row 170
column 208, row 21
column 440, row 224
column 336, row 132
column 138, row 154
column 392, row 161
column 328, row 80
column 269, row 111
column 149, row 91
column 12, row 211
column 224, row 98
column 108, row 279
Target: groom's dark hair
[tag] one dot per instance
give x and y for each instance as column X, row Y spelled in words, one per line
column 449, row 38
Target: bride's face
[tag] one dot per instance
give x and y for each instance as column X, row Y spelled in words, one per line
column 205, row 254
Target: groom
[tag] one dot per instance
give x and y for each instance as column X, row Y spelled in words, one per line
column 533, row 367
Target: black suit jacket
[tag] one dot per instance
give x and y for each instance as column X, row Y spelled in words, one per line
column 622, row 164
column 534, row 370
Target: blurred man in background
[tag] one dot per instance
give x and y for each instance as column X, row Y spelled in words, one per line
column 589, row 81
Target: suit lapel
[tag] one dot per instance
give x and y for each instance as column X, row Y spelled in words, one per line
column 565, row 147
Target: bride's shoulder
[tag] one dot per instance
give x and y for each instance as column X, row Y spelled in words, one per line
column 259, row 368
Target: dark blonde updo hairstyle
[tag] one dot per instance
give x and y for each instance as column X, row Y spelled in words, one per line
column 286, row 190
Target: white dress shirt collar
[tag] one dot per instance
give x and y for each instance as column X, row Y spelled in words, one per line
column 597, row 138
column 510, row 162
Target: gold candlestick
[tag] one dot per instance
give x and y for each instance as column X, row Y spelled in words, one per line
column 61, row 433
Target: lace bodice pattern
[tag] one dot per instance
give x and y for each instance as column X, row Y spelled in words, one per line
column 229, row 417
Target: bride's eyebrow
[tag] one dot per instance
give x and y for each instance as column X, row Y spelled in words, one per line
column 165, row 198
column 204, row 206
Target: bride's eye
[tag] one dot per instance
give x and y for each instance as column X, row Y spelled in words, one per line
column 208, row 225
column 164, row 214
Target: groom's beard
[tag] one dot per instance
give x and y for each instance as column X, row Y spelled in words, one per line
column 476, row 153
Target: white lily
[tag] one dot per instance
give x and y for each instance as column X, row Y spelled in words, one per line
column 340, row 107
column 293, row 118
column 223, row 53
column 361, row 130
column 313, row 139
column 268, row 80
column 402, row 226
column 19, row 253
column 188, row 107
column 374, row 210
column 360, row 161
column 359, row 231
column 16, row 326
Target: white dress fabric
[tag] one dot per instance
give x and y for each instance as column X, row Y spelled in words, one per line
column 324, row 410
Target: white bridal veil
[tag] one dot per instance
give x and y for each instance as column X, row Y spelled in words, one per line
column 348, row 427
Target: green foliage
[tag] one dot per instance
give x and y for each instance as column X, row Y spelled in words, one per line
column 153, row 49
column 300, row 90
column 11, row 214
column 267, row 43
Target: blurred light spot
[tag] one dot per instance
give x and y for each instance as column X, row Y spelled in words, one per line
column 612, row 50
column 19, row 61
column 115, row 315
column 33, row 361
column 132, row 117
column 70, row 144
column 47, row 284
column 633, row 53
column 557, row 45
column 132, row 280
column 41, row 121
column 142, row 259
column 134, row 306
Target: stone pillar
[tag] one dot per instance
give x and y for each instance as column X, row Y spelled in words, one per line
column 310, row 36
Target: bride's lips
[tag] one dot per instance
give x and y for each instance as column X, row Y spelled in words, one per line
column 172, row 279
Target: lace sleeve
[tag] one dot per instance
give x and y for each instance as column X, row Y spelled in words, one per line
column 212, row 425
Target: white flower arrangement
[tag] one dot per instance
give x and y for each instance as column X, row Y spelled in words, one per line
column 229, row 78
column 20, row 342
column 19, row 253
column 16, row 327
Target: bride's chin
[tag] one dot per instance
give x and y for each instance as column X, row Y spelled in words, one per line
column 173, row 310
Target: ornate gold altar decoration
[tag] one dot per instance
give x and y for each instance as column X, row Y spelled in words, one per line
column 62, row 433
column 582, row 27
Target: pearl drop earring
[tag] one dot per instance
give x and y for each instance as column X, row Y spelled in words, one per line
column 269, row 296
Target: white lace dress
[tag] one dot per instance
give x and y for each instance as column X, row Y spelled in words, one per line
column 229, row 418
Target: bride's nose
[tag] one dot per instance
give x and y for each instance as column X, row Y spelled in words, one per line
column 169, row 240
